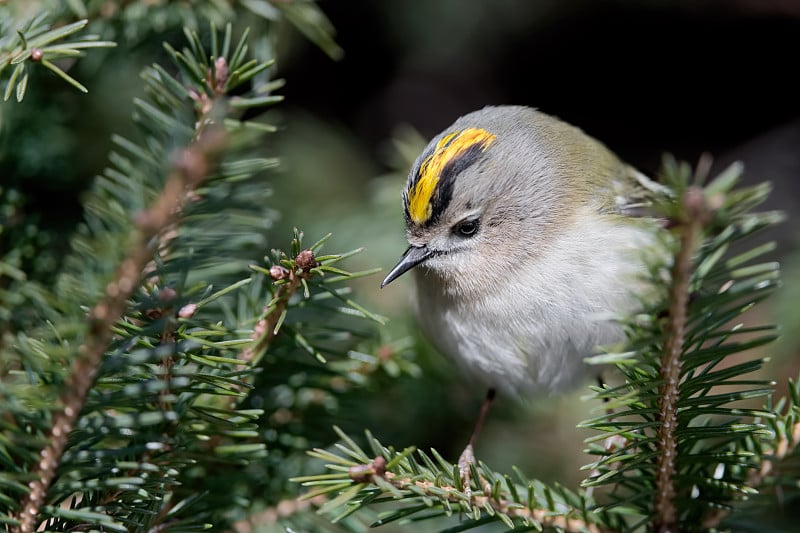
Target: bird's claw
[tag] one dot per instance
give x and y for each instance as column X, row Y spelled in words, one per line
column 466, row 459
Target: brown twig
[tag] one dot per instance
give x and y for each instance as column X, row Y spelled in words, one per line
column 188, row 171
column 266, row 329
column 375, row 470
column 696, row 213
column 283, row 509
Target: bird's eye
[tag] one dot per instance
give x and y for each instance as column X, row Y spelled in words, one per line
column 467, row 228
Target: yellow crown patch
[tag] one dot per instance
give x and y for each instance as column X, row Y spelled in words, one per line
column 448, row 149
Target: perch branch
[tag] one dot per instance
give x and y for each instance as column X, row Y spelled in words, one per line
column 695, row 213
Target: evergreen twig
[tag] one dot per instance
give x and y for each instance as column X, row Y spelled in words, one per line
column 696, row 214
column 375, row 473
column 38, row 43
column 430, row 483
column 164, row 426
column 189, row 171
column 267, row 327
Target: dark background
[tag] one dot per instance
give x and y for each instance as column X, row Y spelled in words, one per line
column 643, row 77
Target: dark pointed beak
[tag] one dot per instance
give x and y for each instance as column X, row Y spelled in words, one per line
column 413, row 256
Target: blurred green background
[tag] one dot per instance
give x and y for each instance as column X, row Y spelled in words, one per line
column 644, row 77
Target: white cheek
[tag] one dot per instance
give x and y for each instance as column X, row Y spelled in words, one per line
column 459, row 265
column 454, row 262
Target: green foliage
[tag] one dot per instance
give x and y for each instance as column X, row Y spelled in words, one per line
column 774, row 508
column 39, row 140
column 714, row 420
column 230, row 359
column 430, row 487
column 196, row 413
column 37, row 42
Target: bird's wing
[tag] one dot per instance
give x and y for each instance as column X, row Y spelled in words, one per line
column 634, row 193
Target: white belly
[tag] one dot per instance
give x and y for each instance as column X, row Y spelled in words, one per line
column 532, row 332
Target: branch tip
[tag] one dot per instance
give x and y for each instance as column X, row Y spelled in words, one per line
column 306, row 260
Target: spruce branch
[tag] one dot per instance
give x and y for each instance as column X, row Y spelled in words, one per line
column 493, row 503
column 430, row 483
column 682, row 447
column 288, row 280
column 170, row 425
column 39, row 42
column 155, row 231
column 696, row 215
column 190, row 169
column 292, row 274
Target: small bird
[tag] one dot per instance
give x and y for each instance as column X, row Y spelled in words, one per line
column 525, row 237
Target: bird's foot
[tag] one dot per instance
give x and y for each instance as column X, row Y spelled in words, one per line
column 467, row 459
column 466, row 462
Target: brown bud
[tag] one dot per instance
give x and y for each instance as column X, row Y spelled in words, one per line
column 204, row 103
column 36, row 55
column 306, row 260
column 385, row 352
column 220, row 74
column 187, row 311
column 614, row 443
column 364, row 473
column 277, row 272
column 167, row 294
column 695, row 202
column 379, row 463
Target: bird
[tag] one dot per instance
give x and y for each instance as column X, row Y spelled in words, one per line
column 525, row 239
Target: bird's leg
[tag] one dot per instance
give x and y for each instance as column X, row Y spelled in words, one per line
column 601, row 383
column 467, row 457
